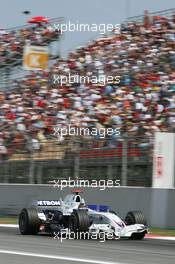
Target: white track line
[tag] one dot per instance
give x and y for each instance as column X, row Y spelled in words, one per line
column 9, row 225
column 27, row 254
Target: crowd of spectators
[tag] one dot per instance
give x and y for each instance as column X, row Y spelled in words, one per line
column 13, row 42
column 142, row 54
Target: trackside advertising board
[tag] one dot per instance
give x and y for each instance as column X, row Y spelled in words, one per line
column 35, row 57
column 164, row 160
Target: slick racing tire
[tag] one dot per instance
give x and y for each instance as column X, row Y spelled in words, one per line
column 135, row 217
column 29, row 222
column 137, row 236
column 79, row 221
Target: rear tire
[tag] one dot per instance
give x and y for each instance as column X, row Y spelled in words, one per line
column 135, row 217
column 29, row 222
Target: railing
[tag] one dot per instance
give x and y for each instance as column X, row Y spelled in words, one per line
column 56, row 20
column 163, row 13
column 129, row 159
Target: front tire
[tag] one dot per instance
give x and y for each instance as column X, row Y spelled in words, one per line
column 137, row 236
column 135, row 217
column 29, row 222
column 79, row 221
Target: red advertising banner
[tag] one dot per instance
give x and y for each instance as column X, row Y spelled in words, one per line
column 159, row 166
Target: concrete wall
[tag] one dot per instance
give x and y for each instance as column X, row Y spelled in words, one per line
column 156, row 204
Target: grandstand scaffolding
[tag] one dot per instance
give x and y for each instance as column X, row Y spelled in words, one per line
column 168, row 13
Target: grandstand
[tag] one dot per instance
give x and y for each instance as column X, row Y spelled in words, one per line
column 13, row 41
column 143, row 103
column 167, row 13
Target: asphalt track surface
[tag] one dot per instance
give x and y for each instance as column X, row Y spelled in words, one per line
column 18, row 249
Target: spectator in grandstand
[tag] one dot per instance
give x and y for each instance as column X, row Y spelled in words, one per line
column 143, row 103
column 12, row 43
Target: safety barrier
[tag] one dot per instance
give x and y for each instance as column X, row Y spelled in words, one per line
column 156, row 204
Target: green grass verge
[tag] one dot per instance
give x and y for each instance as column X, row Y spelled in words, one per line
column 157, row 231
column 8, row 220
column 162, row 232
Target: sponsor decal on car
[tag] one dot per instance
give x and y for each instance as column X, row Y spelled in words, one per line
column 48, row 203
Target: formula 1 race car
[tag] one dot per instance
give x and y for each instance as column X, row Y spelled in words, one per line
column 72, row 214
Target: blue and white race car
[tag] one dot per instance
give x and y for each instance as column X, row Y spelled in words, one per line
column 73, row 215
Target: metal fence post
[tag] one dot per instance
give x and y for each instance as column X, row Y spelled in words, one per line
column 109, row 172
column 77, row 160
column 5, row 168
column 31, row 168
column 39, row 174
column 124, row 162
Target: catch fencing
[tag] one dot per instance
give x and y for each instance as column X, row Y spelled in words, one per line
column 128, row 159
